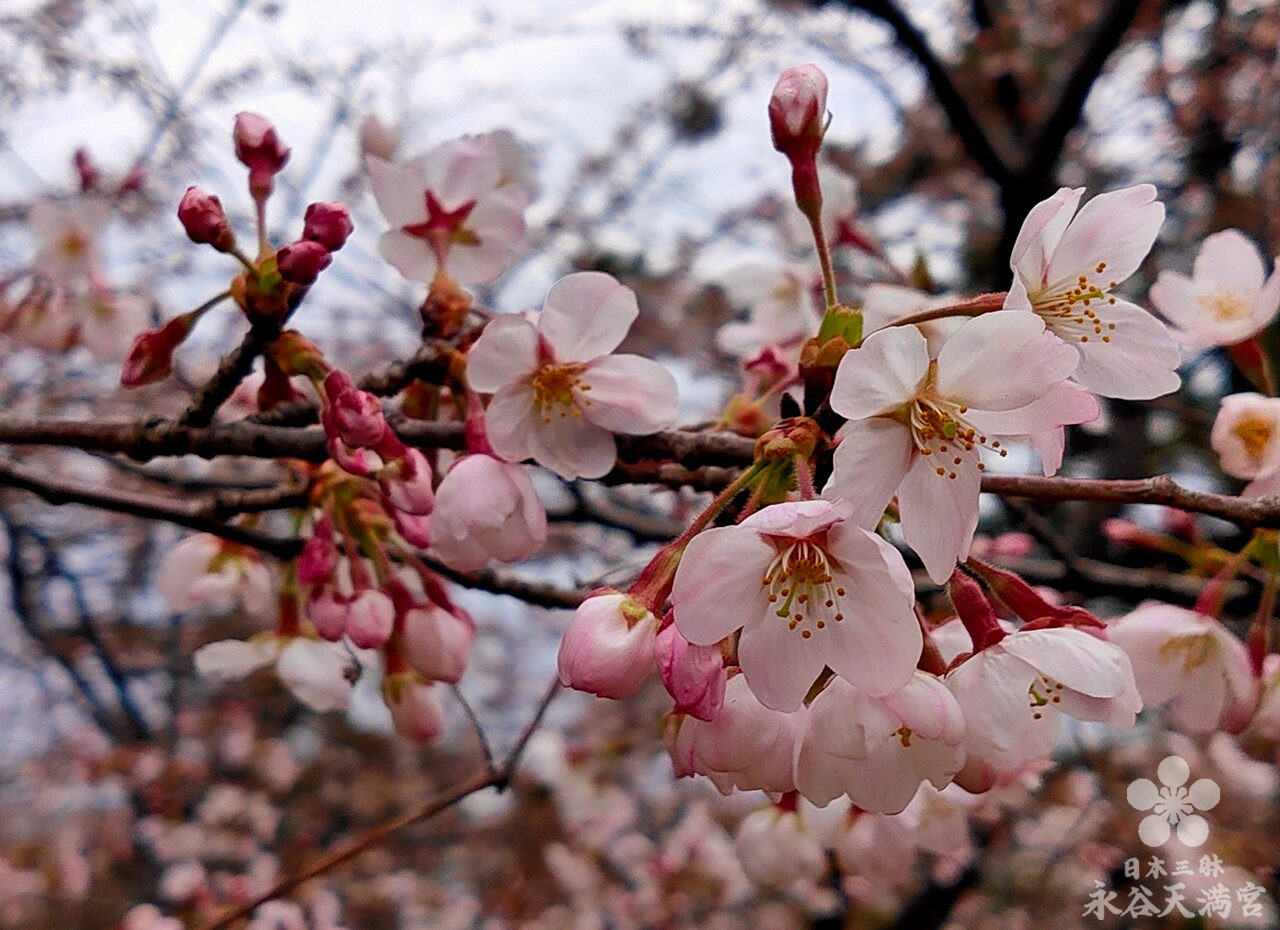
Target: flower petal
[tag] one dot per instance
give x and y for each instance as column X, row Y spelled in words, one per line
column 1139, row 363
column 868, row 465
column 410, row 256
column 718, row 585
column 1002, row 360
column 882, row 374
column 1117, row 228
column 1039, row 236
column 628, row 394
column 586, row 315
column 939, row 512
column 506, row 351
column 400, row 191
column 510, row 421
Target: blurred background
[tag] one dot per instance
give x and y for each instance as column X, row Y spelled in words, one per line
column 124, row 779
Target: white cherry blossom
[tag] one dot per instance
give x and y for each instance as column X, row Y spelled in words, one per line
column 1066, row 266
column 316, row 671
column 1228, row 299
column 1246, row 436
column 917, row 426
column 559, row 393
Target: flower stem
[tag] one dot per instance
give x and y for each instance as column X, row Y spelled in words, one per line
column 983, row 303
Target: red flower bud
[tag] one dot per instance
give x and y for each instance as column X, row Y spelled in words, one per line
column 302, row 262
column 150, row 358
column 798, row 111
column 260, row 150
column 87, row 169
column 328, row 224
column 203, row 218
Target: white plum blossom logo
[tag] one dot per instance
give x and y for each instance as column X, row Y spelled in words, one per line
column 1172, row 804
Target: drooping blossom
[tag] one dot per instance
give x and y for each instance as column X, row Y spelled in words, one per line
column 693, row 675
column 1066, row 266
column 1246, row 436
column 777, row 849
column 559, row 393
column 453, row 208
column 206, row 572
column 485, row 509
column 1013, row 691
column 745, row 746
column 415, row 706
column 1190, row 664
column 917, row 426
column 316, row 671
column 1229, row 297
column 608, row 648
column 877, row 750
column 810, row 589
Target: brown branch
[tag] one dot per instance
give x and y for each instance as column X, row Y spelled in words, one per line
column 194, row 514
column 233, row 369
column 491, row 776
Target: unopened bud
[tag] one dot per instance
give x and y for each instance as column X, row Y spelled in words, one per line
column 205, row 221
column 260, row 150
column 798, row 110
column 355, row 415
column 150, row 358
column 328, row 224
column 301, row 262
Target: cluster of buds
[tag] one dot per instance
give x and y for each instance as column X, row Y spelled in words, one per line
column 270, row 284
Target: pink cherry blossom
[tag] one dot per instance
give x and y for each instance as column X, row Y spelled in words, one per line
column 68, row 232
column 693, row 675
column 1066, row 266
column 1246, row 436
column 810, row 589
column 485, row 509
column 437, row 642
column 559, row 395
column 1189, row 663
column 877, row 750
column 415, row 707
column 1228, row 299
column 746, row 746
column 608, row 648
column 453, row 208
column 204, row 572
column 918, row 425
column 1032, row 676
column 798, row 109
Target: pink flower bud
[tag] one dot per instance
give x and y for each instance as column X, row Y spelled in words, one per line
column 437, row 642
column 328, row 224
column 327, row 610
column 203, row 218
column 608, row 648
column 415, row 707
column 693, row 675
column 301, row 262
column 355, row 416
column 319, row 557
column 414, row 527
column 260, row 150
column 798, row 111
column 150, row 358
column 407, row 486
column 370, row 619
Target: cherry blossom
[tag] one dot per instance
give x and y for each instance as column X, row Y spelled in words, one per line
column 780, row 302
column 878, row 750
column 452, row 208
column 1066, row 265
column 559, row 393
column 1035, row 675
column 1190, row 664
column 776, row 849
column 68, row 232
column 1246, row 436
column 314, row 670
column 608, row 647
column 205, row 572
column 693, row 675
column 918, row 425
column 810, row 589
column 1228, row 299
column 746, row 746
column 485, row 509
